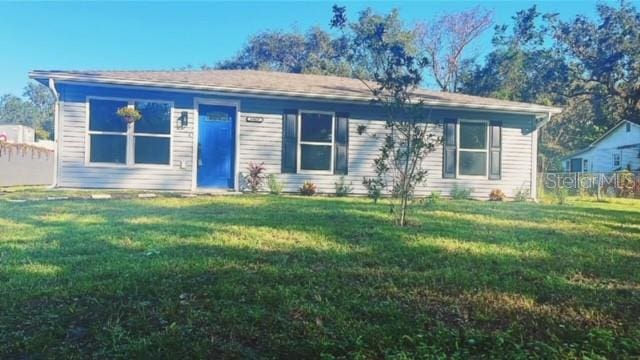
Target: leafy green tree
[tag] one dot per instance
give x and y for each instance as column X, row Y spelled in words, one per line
column 314, row 52
column 35, row 110
column 397, row 72
column 603, row 57
column 523, row 67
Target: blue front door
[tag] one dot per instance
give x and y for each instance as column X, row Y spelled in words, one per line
column 216, row 146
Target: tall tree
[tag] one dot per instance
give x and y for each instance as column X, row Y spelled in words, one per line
column 522, row 67
column 603, row 56
column 397, row 72
column 314, row 52
column 446, row 41
column 34, row 110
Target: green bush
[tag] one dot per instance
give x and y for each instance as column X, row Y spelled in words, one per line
column 460, row 192
column 522, row 195
column 433, row 199
column 561, row 195
column 275, row 185
column 342, row 188
column 374, row 187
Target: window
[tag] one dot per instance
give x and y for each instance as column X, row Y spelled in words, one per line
column 473, row 149
column 315, row 141
column 107, row 132
column 616, row 159
column 585, row 165
column 628, row 127
column 152, row 133
column 113, row 141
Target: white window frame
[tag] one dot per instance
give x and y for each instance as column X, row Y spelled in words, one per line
column 300, row 142
column 130, row 135
column 617, row 156
column 459, row 148
column 585, row 165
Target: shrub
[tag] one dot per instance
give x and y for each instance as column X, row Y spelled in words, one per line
column 460, row 192
column 308, row 189
column 255, row 177
column 497, row 195
column 433, row 198
column 522, row 195
column 561, row 195
column 275, row 186
column 342, row 188
column 374, row 188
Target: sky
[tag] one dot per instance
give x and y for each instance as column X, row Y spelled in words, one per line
column 168, row 35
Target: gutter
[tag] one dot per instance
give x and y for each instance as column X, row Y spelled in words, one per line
column 56, row 131
column 279, row 94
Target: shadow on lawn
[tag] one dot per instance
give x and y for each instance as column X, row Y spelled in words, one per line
column 293, row 277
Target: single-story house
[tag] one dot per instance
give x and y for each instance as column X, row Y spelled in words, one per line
column 618, row 149
column 200, row 130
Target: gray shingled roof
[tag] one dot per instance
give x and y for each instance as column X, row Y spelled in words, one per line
column 278, row 83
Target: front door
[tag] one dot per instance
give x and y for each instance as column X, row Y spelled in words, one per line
column 216, row 146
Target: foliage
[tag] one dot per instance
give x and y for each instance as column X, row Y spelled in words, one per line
column 255, row 177
column 459, row 192
column 275, row 277
column 374, row 187
column 275, row 185
column 129, row 114
column 603, row 55
column 587, row 66
column 497, row 195
column 314, row 52
column 561, row 195
column 446, row 41
column 308, row 188
column 522, row 195
column 342, row 188
column 433, row 199
column 397, row 70
column 34, row 110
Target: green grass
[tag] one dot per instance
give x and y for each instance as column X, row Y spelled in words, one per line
column 290, row 277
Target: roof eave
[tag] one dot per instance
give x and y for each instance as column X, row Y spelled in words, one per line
column 40, row 75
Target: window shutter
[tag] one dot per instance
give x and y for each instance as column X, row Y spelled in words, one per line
column 449, row 151
column 289, row 141
column 342, row 144
column 495, row 146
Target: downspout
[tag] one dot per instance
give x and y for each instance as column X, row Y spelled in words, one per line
column 534, row 157
column 56, row 131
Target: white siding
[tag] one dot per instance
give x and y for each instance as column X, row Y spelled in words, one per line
column 262, row 143
column 600, row 156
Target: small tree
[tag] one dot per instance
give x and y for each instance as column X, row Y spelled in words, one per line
column 397, row 74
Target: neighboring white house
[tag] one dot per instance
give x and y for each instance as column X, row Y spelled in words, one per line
column 617, row 149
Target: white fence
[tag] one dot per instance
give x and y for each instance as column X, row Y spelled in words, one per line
column 25, row 165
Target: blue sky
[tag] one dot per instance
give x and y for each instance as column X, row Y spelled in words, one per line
column 166, row 35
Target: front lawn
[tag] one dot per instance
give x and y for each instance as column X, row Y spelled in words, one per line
column 290, row 277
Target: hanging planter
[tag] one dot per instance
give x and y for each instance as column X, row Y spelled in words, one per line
column 129, row 115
